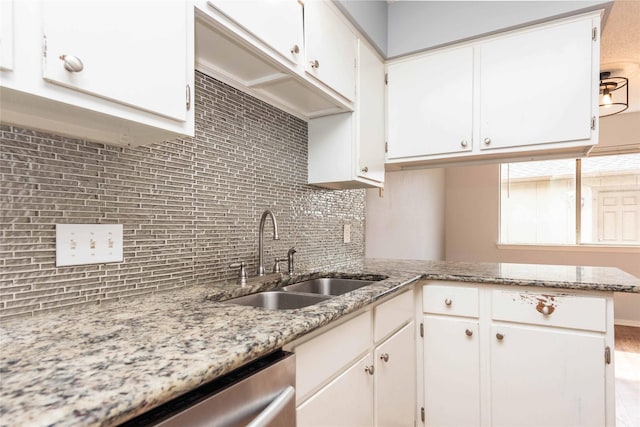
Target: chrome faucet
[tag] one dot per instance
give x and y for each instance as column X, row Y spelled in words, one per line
column 266, row 213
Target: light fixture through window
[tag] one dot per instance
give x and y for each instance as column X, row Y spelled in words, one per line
column 611, row 101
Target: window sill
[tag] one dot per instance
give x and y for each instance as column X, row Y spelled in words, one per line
column 569, row 248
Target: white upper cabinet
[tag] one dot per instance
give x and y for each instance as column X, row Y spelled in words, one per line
column 536, row 87
column 429, row 104
column 126, row 52
column 528, row 93
column 330, row 48
column 260, row 47
column 120, row 73
column 347, row 150
column 6, row 35
column 277, row 23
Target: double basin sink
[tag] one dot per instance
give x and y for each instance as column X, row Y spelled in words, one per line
column 301, row 294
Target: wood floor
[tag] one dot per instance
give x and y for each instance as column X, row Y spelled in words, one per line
column 627, row 366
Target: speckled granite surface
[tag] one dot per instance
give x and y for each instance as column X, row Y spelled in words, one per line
column 106, row 364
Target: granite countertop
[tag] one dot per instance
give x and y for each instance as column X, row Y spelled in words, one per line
column 106, row 364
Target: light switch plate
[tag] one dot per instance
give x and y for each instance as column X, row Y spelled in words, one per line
column 79, row 244
column 347, row 233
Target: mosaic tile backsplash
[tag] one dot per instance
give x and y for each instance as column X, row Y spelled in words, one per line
column 189, row 207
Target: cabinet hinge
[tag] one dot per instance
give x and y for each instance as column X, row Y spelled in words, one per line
column 188, row 97
column 593, row 123
column 386, row 147
column 422, row 414
column 607, row 355
column 386, row 78
column 44, row 46
column 594, row 34
column 422, row 330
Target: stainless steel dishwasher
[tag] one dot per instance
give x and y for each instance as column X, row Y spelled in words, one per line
column 259, row 394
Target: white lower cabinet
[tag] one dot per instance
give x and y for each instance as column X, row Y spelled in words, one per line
column 495, row 356
column 346, row 377
column 395, row 360
column 452, row 388
column 563, row 372
column 345, row 401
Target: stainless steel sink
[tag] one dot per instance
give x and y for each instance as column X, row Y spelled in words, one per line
column 327, row 286
column 278, row 300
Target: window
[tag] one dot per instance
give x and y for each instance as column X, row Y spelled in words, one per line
column 538, row 201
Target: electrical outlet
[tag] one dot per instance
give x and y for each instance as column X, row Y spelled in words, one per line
column 347, row 233
column 79, row 244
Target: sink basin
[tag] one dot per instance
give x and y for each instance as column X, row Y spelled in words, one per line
column 327, row 286
column 278, row 300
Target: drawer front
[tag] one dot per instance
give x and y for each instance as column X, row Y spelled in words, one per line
column 450, row 300
column 322, row 357
column 392, row 315
column 550, row 309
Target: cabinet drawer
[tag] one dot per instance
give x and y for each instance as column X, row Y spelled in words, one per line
column 450, row 300
column 550, row 309
column 320, row 358
column 391, row 315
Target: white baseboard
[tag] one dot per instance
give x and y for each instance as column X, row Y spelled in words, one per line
column 625, row 322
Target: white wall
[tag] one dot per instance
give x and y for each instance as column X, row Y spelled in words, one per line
column 408, row 221
column 420, row 25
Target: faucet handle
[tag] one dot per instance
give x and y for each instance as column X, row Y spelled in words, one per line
column 242, row 277
column 276, row 265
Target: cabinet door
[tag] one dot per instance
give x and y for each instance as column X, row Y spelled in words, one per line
column 429, row 104
column 395, row 379
column 370, row 113
column 278, row 23
column 451, row 372
column 330, row 48
column 346, row 401
column 537, row 86
column 6, row 35
column 546, row 377
column 134, row 53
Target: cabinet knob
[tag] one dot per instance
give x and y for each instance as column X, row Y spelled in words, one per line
column 295, row 49
column 315, row 64
column 545, row 309
column 384, row 357
column 72, row 63
column 369, row 369
column 448, row 301
column 500, row 337
column 469, row 332
column 464, row 143
column 487, row 141
column 365, row 169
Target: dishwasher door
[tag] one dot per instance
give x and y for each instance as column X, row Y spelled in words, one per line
column 260, row 394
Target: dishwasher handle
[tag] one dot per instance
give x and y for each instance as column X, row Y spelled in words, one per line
column 274, row 408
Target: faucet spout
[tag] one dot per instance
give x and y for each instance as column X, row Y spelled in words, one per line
column 263, row 219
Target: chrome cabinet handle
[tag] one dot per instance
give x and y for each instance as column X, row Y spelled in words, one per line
column 469, row 332
column 384, row 357
column 72, row 63
column 315, row 64
column 464, row 143
column 264, row 418
column 448, row 301
column 295, row 49
column 487, row 141
column 500, row 337
column 369, row 369
column 365, row 169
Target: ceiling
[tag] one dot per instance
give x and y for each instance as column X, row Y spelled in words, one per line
column 620, row 47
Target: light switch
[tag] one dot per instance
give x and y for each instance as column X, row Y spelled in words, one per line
column 79, row 244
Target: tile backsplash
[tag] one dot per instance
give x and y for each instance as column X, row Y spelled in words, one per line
column 189, row 207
